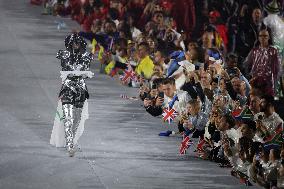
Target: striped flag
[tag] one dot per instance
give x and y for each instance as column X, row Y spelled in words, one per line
column 169, row 114
column 242, row 114
column 129, row 74
column 185, row 144
column 275, row 139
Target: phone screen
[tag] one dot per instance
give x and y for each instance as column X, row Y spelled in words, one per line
column 161, row 94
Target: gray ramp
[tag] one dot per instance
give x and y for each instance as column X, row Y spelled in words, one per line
column 120, row 146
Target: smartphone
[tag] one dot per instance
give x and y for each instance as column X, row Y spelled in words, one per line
column 161, row 94
column 148, row 96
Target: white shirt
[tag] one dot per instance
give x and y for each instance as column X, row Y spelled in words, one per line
column 180, row 104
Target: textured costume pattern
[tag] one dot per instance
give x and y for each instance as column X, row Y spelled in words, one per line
column 265, row 64
column 75, row 61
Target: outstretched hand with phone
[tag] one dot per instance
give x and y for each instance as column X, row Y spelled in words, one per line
column 160, row 100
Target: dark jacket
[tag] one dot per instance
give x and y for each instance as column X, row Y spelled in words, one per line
column 154, row 110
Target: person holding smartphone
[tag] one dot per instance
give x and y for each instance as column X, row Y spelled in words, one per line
column 173, row 99
column 153, row 99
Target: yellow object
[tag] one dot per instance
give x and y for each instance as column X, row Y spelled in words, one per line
column 94, row 43
column 146, row 67
column 109, row 67
column 101, row 50
column 218, row 40
column 101, row 53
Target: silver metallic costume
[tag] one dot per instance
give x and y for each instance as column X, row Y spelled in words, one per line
column 75, row 61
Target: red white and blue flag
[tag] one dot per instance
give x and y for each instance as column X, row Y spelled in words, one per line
column 185, row 144
column 129, row 74
column 169, row 114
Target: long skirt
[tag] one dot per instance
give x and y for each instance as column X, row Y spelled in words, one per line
column 57, row 138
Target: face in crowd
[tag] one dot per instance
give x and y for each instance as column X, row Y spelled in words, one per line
column 223, row 125
column 158, row 18
column 205, row 78
column 222, row 85
column 236, row 83
column 142, row 51
column 193, row 108
column 248, row 128
column 192, row 54
column 151, row 43
column 109, row 27
column 192, row 45
column 256, row 16
column 158, row 69
column 263, row 105
column 263, row 38
column 158, row 57
column 254, row 105
column 169, row 89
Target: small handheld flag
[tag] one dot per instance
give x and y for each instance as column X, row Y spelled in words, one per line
column 169, row 114
column 128, row 74
column 185, row 144
column 242, row 114
column 276, row 139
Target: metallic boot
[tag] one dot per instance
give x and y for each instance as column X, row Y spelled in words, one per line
column 68, row 116
column 77, row 119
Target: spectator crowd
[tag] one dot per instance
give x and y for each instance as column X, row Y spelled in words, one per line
column 211, row 69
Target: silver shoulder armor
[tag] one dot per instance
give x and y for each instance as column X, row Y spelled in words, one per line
column 63, row 54
column 88, row 56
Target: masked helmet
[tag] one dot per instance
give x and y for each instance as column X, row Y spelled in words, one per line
column 72, row 39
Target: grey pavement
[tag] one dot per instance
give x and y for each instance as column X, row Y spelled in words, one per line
column 120, row 145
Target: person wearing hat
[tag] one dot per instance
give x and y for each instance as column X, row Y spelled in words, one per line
column 72, row 105
column 215, row 19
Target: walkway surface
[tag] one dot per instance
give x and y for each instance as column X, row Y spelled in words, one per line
column 120, row 145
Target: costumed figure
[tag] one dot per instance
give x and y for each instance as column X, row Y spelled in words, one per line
column 72, row 110
column 276, row 23
column 263, row 62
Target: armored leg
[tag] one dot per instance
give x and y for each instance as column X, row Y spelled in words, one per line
column 68, row 115
column 77, row 119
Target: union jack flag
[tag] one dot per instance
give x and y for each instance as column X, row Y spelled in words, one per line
column 129, row 74
column 169, row 114
column 185, row 144
column 200, row 144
